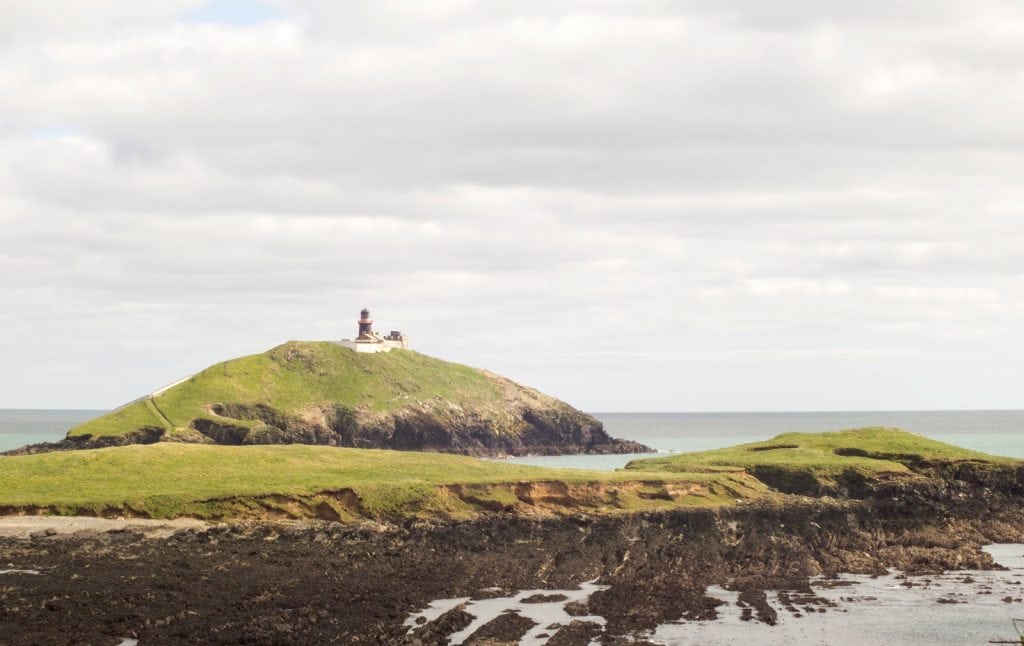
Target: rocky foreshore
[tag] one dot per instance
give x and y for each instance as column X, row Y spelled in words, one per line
column 357, row 583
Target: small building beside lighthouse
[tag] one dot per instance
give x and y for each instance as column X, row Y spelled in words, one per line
column 370, row 341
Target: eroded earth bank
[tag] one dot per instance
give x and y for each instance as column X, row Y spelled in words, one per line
column 357, row 583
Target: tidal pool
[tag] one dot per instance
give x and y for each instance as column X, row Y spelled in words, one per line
column 958, row 607
column 544, row 613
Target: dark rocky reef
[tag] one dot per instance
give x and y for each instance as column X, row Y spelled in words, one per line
column 147, row 435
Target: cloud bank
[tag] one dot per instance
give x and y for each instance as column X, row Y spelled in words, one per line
column 633, row 206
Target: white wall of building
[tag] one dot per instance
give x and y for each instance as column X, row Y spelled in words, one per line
column 373, row 346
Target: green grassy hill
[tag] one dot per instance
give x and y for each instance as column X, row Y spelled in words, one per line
column 322, row 393
column 299, row 377
column 824, row 462
column 867, row 449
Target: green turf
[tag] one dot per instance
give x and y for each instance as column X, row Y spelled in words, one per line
column 867, row 450
column 136, row 415
column 168, row 479
column 172, row 479
column 301, row 377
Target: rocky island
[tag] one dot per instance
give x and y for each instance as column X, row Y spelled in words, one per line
column 327, row 393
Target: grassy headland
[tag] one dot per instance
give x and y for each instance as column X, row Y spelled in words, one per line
column 869, row 450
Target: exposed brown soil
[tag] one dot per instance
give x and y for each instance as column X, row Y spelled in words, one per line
column 534, row 499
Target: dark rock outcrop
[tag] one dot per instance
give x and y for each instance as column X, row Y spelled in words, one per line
column 145, row 435
column 531, row 432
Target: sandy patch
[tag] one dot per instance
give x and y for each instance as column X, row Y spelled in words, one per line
column 24, row 526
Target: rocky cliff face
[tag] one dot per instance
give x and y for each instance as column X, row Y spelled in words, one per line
column 521, row 429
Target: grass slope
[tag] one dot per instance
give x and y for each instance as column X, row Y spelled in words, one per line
column 171, row 479
column 866, row 450
column 300, row 376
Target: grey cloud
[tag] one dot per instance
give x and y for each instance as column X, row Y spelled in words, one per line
column 714, row 196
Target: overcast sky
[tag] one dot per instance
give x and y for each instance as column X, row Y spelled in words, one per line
column 673, row 206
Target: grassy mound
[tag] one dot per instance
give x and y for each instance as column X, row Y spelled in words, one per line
column 826, row 463
column 171, row 479
column 299, row 378
column 869, row 450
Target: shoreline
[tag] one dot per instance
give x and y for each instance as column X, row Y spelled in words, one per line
column 315, row 582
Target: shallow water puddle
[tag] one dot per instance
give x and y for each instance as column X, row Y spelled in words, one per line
column 1009, row 555
column 543, row 607
column 20, row 572
column 958, row 607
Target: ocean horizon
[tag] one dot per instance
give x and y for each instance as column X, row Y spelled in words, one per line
column 999, row 432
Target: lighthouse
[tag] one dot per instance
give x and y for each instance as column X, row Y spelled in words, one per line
column 365, row 324
column 369, row 341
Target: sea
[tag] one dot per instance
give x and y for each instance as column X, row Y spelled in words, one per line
column 999, row 432
column 956, row 608
column 19, row 427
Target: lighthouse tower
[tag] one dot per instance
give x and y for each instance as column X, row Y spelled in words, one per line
column 365, row 324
